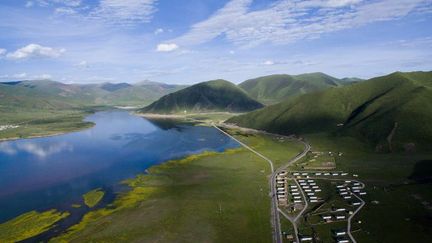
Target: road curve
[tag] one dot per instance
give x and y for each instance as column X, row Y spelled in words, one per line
column 277, row 234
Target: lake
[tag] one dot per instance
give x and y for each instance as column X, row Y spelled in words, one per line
column 54, row 172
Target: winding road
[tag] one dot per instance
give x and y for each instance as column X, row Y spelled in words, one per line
column 277, row 234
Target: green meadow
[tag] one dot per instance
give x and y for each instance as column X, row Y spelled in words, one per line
column 93, row 197
column 29, row 224
column 39, row 123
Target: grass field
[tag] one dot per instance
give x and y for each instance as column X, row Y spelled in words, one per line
column 93, row 197
column 212, row 197
column 38, row 123
column 278, row 149
column 28, row 225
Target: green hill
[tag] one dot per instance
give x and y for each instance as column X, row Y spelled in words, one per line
column 396, row 107
column 216, row 95
column 275, row 88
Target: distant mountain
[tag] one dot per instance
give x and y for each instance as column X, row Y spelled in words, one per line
column 395, row 108
column 275, row 88
column 140, row 94
column 113, row 87
column 35, row 95
column 216, row 95
column 351, row 80
column 51, row 94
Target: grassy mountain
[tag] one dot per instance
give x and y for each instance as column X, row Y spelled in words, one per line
column 395, row 108
column 275, row 88
column 47, row 93
column 216, row 95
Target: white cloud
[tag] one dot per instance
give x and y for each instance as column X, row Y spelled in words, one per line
column 340, row 3
column 166, row 47
column 72, row 3
column 42, row 76
column 158, row 31
column 35, row 50
column 45, row 3
column 65, row 11
column 124, row 12
column 268, row 62
column 288, row 21
column 20, row 75
column 25, row 76
column 2, row 51
column 82, row 64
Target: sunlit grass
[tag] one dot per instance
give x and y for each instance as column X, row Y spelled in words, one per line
column 29, row 224
column 92, row 198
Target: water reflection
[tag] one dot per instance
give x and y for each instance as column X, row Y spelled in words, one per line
column 36, row 149
column 48, row 172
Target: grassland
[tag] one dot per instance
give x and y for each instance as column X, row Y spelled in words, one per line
column 277, row 148
column 37, row 123
column 93, row 197
column 210, row 197
column 29, row 224
column 203, row 118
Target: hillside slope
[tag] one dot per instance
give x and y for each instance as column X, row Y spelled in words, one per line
column 215, row 95
column 395, row 108
column 275, row 88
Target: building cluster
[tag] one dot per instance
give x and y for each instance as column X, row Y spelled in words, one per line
column 5, row 127
column 281, row 188
column 309, row 174
column 348, row 188
column 302, row 187
column 310, row 189
column 340, row 235
column 336, row 214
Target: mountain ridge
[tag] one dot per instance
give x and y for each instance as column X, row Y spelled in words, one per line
column 275, row 88
column 369, row 110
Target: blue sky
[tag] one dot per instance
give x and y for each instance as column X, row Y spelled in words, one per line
column 87, row 41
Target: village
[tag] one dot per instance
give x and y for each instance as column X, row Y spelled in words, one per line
column 320, row 205
column 5, row 127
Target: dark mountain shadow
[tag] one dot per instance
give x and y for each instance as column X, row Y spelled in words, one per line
column 422, row 172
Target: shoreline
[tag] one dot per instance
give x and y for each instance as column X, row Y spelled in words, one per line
column 45, row 135
column 155, row 115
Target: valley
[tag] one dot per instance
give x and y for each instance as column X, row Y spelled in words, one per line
column 212, row 167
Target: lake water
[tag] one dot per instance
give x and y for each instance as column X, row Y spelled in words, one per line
column 54, row 172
